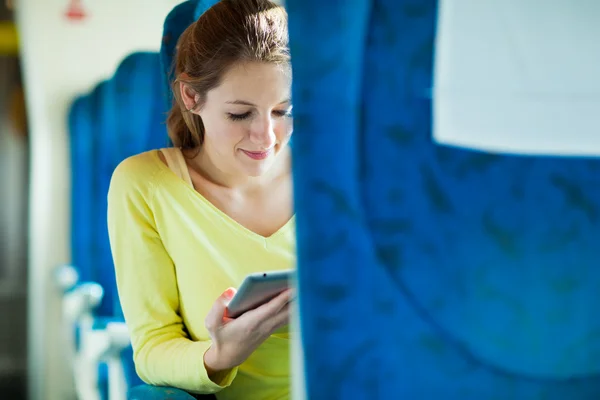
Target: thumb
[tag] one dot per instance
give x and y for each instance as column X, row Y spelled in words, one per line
column 216, row 315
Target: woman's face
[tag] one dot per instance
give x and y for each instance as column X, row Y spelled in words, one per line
column 247, row 119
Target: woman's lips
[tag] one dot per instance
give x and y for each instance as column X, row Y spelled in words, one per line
column 258, row 155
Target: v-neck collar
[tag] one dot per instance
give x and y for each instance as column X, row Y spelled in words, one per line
column 224, row 216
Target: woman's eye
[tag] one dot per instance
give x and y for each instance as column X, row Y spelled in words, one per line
column 238, row 117
column 283, row 113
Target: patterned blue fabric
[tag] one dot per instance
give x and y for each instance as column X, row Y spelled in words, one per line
column 429, row 271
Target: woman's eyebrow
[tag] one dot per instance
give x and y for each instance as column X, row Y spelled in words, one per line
column 247, row 103
column 241, row 102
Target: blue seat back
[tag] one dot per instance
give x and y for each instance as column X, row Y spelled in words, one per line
column 106, row 116
column 429, row 271
column 177, row 21
column 86, row 127
column 81, row 129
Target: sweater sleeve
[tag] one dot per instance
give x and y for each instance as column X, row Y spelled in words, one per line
column 164, row 355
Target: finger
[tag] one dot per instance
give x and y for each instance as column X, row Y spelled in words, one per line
column 216, row 316
column 277, row 304
column 280, row 319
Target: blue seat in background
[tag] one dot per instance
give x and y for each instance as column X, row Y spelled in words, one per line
column 85, row 131
column 106, row 116
column 83, row 302
column 178, row 20
column 82, row 295
column 81, row 132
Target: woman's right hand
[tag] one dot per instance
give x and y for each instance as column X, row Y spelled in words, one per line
column 234, row 340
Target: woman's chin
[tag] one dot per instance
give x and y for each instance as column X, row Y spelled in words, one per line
column 257, row 170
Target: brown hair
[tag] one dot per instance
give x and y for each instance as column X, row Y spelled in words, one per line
column 230, row 32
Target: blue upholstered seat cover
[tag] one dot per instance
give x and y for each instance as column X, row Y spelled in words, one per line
column 428, row 271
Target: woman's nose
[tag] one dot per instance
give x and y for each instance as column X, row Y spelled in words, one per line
column 263, row 133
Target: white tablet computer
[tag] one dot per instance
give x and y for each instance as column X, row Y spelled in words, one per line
column 257, row 289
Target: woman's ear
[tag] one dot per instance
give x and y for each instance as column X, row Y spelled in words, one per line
column 189, row 96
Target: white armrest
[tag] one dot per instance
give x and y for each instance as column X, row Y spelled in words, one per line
column 78, row 306
column 66, row 277
column 118, row 335
column 81, row 301
column 97, row 346
column 119, row 339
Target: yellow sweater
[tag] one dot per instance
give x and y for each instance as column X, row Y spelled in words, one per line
column 174, row 254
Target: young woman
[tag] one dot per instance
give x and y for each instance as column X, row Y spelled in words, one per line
column 187, row 224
